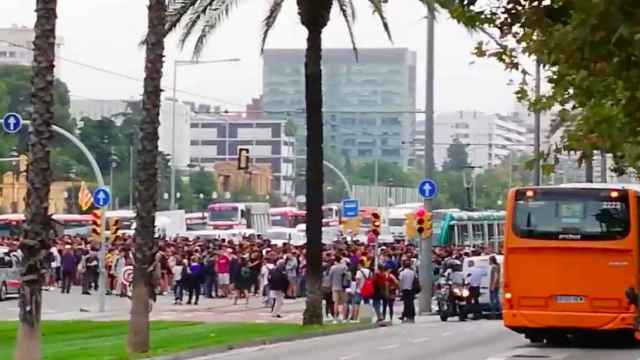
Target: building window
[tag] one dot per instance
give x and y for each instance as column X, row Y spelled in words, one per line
column 208, row 142
column 365, row 152
column 208, row 125
column 194, row 160
column 195, row 125
column 208, row 160
column 461, row 125
column 12, row 54
column 3, row 54
column 390, row 121
column 391, row 152
column 195, row 142
column 461, row 136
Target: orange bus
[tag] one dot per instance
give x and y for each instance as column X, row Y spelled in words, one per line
column 571, row 261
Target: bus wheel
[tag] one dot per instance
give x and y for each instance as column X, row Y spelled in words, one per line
column 558, row 340
column 534, row 339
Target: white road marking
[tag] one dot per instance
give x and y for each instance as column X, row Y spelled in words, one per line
column 348, row 357
column 447, row 333
column 389, row 347
column 420, row 340
column 427, row 325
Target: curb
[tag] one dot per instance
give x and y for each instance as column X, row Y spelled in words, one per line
column 255, row 343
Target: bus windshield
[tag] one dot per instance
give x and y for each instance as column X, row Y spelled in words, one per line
column 572, row 214
column 396, row 221
column 229, row 213
column 280, row 220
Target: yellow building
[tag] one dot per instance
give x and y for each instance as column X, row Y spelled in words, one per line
column 13, row 192
column 230, row 179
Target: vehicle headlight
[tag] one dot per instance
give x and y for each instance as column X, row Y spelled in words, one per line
column 465, row 293
column 457, row 292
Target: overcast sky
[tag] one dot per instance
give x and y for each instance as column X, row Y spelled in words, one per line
column 105, row 33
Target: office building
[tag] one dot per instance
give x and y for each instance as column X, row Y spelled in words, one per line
column 216, row 138
column 16, row 45
column 491, row 138
column 96, row 109
column 368, row 105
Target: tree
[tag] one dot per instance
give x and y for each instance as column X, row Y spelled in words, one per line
column 35, row 244
column 314, row 16
column 147, row 184
column 457, row 156
column 588, row 51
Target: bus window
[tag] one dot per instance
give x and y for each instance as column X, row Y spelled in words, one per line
column 463, row 234
column 478, row 233
column 578, row 214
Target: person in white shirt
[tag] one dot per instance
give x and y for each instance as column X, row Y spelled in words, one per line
column 362, row 274
column 474, row 277
column 407, row 277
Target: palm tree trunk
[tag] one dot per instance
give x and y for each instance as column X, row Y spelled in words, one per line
column 147, row 186
column 35, row 244
column 315, row 175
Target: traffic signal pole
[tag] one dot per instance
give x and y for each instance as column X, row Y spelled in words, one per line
column 426, row 266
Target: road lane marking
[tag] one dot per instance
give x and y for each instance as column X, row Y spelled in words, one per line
column 447, row 333
column 419, row 340
column 389, row 347
column 349, row 357
column 427, row 325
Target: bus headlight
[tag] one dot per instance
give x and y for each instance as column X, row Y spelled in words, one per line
column 465, row 293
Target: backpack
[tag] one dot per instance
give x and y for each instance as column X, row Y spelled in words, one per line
column 346, row 279
column 367, row 290
column 415, row 286
column 245, row 272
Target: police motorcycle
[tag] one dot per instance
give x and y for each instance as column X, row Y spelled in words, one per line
column 453, row 294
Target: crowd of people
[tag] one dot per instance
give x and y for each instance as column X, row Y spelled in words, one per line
column 189, row 269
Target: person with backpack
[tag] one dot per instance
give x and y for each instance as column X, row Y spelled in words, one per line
column 380, row 291
column 243, row 281
column 278, row 284
column 327, row 295
column 340, row 281
column 362, row 276
column 409, row 286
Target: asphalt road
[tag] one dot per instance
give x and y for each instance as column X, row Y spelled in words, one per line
column 427, row 339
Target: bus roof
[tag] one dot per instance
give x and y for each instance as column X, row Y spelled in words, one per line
column 603, row 186
column 477, row 215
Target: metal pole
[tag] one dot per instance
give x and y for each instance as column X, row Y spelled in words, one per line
column 375, row 171
column 111, row 182
column 603, row 166
column 131, row 176
column 426, row 266
column 100, row 180
column 588, row 169
column 172, row 200
column 536, row 125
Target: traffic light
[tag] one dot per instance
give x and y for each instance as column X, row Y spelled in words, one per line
column 428, row 225
column 410, row 226
column 114, row 227
column 420, row 221
column 376, row 223
column 96, row 219
column 243, row 159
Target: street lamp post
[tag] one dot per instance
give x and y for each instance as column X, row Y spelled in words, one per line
column 176, row 63
column 16, row 176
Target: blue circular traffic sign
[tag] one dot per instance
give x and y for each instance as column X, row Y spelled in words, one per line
column 428, row 189
column 11, row 123
column 101, row 197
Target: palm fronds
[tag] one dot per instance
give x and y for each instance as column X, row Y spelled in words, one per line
column 269, row 21
column 349, row 14
column 379, row 11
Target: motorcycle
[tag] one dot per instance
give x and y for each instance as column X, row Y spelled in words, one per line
column 453, row 300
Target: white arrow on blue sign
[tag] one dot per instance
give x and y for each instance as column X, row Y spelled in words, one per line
column 11, row 123
column 101, row 197
column 428, row 189
column 350, row 208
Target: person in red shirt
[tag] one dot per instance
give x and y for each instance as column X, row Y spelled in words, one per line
column 223, row 265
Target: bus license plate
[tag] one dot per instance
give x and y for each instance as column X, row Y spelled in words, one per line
column 568, row 299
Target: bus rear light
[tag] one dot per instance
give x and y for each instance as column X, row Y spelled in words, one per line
column 614, row 194
column 508, row 296
column 529, row 193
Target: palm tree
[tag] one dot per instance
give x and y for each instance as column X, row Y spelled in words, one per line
column 35, row 245
column 147, row 184
column 314, row 16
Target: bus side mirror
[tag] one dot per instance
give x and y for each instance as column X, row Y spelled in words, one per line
column 632, row 296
